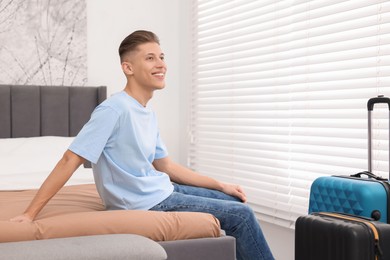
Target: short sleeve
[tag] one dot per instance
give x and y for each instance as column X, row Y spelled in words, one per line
column 161, row 150
column 93, row 137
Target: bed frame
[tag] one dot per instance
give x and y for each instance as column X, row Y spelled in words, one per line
column 29, row 111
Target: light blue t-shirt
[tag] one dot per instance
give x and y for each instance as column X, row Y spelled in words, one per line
column 122, row 140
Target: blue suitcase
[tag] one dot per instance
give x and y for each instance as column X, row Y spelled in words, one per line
column 366, row 197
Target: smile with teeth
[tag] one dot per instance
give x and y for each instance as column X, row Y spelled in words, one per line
column 159, row 74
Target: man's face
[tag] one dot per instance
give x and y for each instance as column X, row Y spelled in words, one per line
column 148, row 66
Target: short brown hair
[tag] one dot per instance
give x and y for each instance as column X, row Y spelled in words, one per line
column 131, row 42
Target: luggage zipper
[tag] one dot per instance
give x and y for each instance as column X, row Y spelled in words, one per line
column 378, row 250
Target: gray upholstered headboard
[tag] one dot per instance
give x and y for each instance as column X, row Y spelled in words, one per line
column 27, row 111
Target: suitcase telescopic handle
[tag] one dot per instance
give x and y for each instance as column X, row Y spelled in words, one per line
column 380, row 99
column 370, row 106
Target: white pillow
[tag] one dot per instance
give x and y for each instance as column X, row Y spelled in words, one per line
column 26, row 162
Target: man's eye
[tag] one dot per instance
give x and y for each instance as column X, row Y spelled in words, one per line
column 149, row 58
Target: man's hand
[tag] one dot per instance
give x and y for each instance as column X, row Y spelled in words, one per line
column 21, row 219
column 183, row 175
column 234, row 190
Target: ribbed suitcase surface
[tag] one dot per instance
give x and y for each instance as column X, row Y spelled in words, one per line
column 338, row 237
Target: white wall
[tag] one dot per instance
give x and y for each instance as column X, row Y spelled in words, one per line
column 280, row 240
column 108, row 23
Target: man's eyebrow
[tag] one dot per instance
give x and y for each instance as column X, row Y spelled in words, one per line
column 153, row 54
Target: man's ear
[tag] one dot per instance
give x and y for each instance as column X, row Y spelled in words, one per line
column 127, row 68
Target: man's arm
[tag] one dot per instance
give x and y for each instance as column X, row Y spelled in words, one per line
column 53, row 183
column 183, row 175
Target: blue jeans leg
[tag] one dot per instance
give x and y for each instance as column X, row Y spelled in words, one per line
column 203, row 192
column 236, row 218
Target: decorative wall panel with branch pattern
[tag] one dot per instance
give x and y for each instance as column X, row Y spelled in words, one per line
column 43, row 42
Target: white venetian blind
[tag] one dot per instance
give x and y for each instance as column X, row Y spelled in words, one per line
column 279, row 95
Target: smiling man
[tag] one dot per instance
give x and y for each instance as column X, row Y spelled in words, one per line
column 130, row 162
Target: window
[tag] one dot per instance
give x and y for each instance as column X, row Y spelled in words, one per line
column 279, row 95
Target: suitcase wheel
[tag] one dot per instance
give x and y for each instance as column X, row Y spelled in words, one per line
column 376, row 214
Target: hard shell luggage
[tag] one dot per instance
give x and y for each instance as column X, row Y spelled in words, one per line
column 333, row 236
column 368, row 197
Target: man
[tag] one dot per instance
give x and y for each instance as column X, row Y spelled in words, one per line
column 131, row 166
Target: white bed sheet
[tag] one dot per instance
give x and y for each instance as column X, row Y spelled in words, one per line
column 26, row 162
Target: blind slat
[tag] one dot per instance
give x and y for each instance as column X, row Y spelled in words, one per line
column 279, row 93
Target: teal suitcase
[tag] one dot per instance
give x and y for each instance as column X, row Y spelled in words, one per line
column 366, row 197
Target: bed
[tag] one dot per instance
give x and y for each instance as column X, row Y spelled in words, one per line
column 37, row 124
